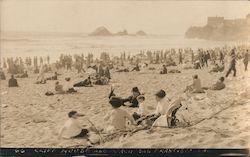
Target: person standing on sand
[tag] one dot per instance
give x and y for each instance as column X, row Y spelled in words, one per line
column 41, row 74
column 72, row 128
column 12, row 82
column 246, row 60
column 232, row 64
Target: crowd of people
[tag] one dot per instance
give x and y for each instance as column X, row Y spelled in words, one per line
column 166, row 109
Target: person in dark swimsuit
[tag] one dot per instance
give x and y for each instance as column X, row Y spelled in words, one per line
column 13, row 82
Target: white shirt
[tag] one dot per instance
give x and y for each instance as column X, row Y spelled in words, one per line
column 162, row 107
column 142, row 110
column 71, row 128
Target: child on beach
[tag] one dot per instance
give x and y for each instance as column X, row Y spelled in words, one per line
column 142, row 108
column 117, row 116
column 72, row 128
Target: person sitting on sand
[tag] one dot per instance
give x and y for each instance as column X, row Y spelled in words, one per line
column 219, row 85
column 59, row 88
column 2, row 74
column 13, row 82
column 86, row 83
column 164, row 70
column 168, row 116
column 136, row 68
column 217, row 68
column 68, row 86
column 142, row 108
column 24, row 75
column 161, row 108
column 117, row 117
column 195, row 87
column 197, row 65
column 133, row 98
column 72, row 128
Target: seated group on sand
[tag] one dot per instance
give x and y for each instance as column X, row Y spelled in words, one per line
column 196, row 87
column 163, row 116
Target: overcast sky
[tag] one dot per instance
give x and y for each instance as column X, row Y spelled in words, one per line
column 154, row 17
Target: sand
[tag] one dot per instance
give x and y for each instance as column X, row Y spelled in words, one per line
column 221, row 119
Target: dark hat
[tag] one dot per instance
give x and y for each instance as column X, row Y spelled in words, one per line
column 222, row 79
column 67, row 78
column 135, row 89
column 161, row 94
column 71, row 113
column 116, row 102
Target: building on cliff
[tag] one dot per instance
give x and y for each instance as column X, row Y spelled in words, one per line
column 219, row 28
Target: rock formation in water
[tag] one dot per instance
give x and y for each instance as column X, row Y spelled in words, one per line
column 122, row 33
column 218, row 28
column 141, row 33
column 102, row 31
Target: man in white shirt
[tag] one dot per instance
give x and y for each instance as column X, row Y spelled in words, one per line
column 72, row 128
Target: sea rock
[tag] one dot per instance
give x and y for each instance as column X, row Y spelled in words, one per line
column 141, row 33
column 101, row 31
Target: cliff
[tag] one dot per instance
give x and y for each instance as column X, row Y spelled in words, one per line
column 218, row 28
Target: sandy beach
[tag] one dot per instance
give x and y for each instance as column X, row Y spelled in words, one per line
column 221, row 119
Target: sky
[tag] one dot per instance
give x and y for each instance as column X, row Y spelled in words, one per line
column 154, row 17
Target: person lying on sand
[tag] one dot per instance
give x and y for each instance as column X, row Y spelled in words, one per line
column 136, row 68
column 219, row 85
column 24, row 75
column 117, row 117
column 173, row 71
column 141, row 110
column 123, row 70
column 195, row 87
column 12, row 82
column 72, row 128
column 86, row 83
column 164, row 70
column 101, row 81
column 217, row 68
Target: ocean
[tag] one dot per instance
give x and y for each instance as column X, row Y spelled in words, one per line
column 54, row 44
